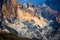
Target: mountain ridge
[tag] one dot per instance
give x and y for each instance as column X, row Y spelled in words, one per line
column 23, row 21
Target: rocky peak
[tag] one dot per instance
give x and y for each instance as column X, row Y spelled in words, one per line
column 8, row 10
column 29, row 23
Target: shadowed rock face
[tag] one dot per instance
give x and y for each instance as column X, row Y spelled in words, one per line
column 58, row 17
column 1, row 2
column 55, row 5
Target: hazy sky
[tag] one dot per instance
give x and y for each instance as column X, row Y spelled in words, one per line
column 54, row 4
column 39, row 2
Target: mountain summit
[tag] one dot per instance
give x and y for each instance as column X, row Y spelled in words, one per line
column 26, row 21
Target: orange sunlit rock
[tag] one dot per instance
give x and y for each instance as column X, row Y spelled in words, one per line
column 27, row 16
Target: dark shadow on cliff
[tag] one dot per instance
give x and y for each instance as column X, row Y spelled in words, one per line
column 11, row 30
column 1, row 3
column 54, row 5
column 51, row 15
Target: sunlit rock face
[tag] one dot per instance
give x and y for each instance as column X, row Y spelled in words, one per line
column 39, row 23
column 8, row 12
column 9, row 9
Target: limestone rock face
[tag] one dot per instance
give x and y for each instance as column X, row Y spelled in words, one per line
column 9, row 8
column 8, row 11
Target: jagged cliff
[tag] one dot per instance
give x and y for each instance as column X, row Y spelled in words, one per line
column 9, row 9
column 27, row 22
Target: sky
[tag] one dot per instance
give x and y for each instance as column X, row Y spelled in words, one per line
column 54, row 4
column 38, row 2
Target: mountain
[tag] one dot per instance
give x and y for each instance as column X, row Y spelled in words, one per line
column 31, row 22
